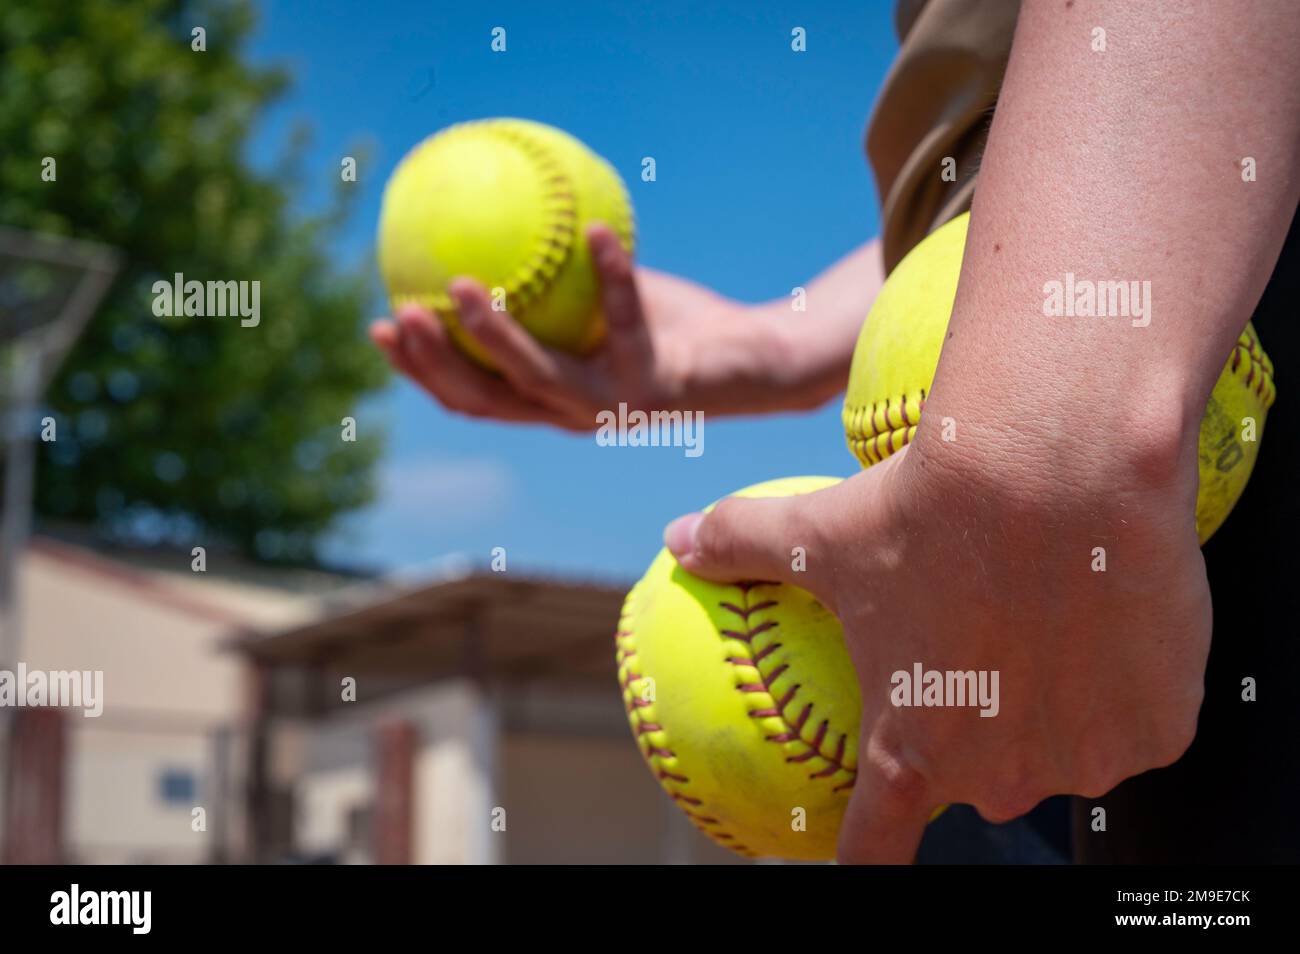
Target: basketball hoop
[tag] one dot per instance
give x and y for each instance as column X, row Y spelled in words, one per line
column 49, row 288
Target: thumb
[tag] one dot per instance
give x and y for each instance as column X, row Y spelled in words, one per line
column 750, row 539
column 631, row 352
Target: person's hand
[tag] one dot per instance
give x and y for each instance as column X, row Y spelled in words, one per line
column 932, row 557
column 671, row 344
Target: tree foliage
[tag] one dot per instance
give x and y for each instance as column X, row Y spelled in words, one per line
column 191, row 428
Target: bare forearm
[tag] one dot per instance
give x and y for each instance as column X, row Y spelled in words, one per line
column 811, row 336
column 1124, row 165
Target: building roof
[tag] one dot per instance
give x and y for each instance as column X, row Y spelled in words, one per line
column 473, row 623
column 167, row 580
column 396, row 632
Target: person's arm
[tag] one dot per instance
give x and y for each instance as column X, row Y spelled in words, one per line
column 1121, row 165
column 814, row 348
column 671, row 344
column 1072, row 433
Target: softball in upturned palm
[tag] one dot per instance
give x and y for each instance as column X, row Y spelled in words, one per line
column 506, row 202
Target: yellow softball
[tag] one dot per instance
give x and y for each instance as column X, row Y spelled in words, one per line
column 744, row 703
column 506, row 202
column 898, row 351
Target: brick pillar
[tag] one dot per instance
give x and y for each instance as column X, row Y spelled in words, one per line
column 34, row 789
column 395, row 746
column 259, row 807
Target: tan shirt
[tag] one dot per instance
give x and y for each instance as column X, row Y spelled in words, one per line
column 936, row 102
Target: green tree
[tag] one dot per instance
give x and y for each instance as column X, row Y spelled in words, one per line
column 195, row 426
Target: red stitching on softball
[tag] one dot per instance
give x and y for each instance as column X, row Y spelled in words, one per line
column 652, row 752
column 1259, row 375
column 749, row 610
column 792, row 730
column 871, row 443
column 748, row 635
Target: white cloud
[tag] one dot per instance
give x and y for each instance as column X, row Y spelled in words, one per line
column 428, row 507
column 445, row 490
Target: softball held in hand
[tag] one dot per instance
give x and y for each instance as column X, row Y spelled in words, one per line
column 744, row 703
column 506, row 202
column 898, row 351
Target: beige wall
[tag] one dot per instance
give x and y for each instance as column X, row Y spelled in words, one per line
column 565, row 771
column 331, row 764
column 324, row 799
column 114, row 808
column 575, row 801
column 582, row 800
column 158, row 658
column 168, row 688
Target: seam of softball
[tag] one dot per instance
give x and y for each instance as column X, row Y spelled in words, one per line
column 659, row 755
column 770, row 707
column 1253, row 368
column 553, row 246
column 652, row 740
column 874, row 432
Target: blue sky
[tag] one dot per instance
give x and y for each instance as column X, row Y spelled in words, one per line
column 761, row 183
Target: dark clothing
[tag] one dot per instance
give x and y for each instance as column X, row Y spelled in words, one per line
column 1235, row 796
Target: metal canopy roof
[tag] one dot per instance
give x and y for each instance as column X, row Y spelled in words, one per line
column 484, row 625
column 49, row 287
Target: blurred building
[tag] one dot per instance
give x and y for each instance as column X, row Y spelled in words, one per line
column 123, row 787
column 302, row 716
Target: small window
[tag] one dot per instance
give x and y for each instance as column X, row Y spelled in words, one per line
column 177, row 786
